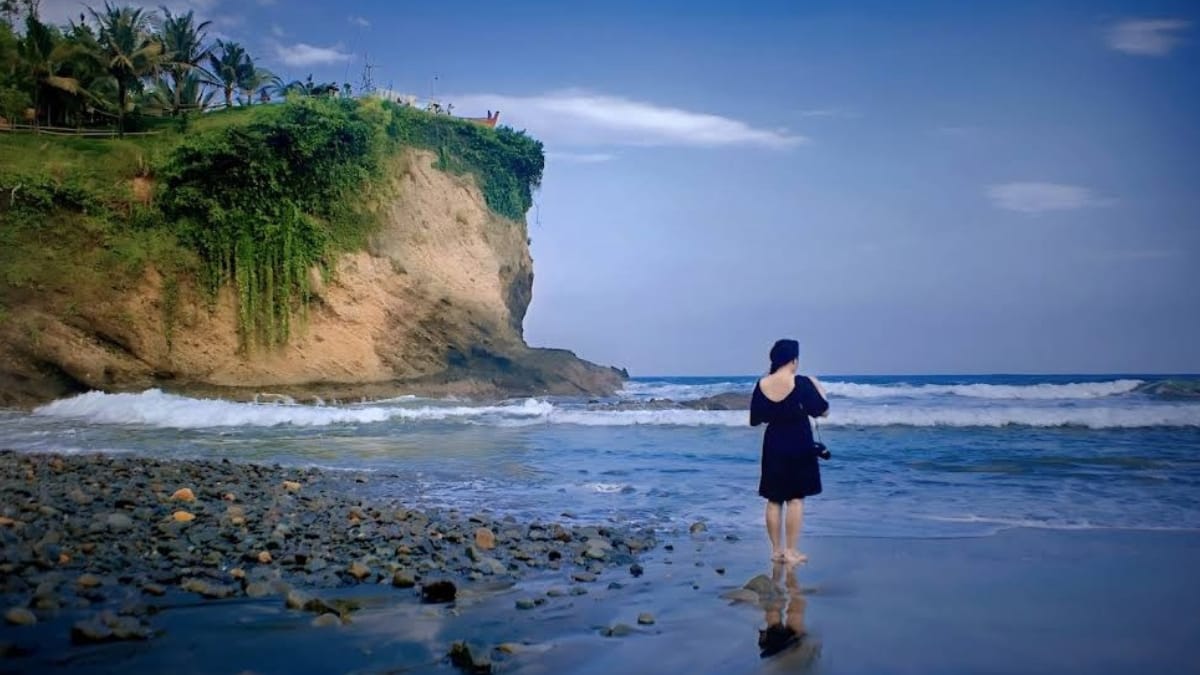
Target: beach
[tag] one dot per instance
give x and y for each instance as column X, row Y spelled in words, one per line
column 1010, row 525
column 1026, row 600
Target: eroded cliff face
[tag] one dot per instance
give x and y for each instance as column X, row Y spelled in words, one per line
column 433, row 306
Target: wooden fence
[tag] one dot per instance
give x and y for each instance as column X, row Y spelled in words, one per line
column 63, row 131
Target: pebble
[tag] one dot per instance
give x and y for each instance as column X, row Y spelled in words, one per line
column 403, row 579
column 183, row 516
column 618, row 630
column 327, row 619
column 183, row 495
column 636, row 570
column 525, row 603
column 585, row 577
column 698, row 527
column 439, row 592
column 19, row 616
column 484, row 539
column 645, row 619
column 358, row 570
column 118, row 522
column 88, row 581
column 470, row 658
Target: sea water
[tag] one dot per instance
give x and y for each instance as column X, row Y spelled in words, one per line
column 912, row 456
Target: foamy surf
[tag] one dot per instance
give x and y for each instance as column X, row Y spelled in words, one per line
column 155, row 408
column 855, row 390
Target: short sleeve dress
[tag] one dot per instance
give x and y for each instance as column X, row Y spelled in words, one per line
column 789, row 462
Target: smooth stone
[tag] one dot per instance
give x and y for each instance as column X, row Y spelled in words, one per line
column 741, row 595
column 90, row 631
column 485, row 539
column 183, row 495
column 618, row 630
column 645, row 619
column 19, row 616
column 585, row 577
column 258, row 589
column 118, row 522
column 327, row 619
column 403, row 579
column 358, row 570
column 578, row 590
column 154, row 589
column 469, row 657
column 439, row 592
column 525, row 603
column 556, row 592
column 88, row 581
column 698, row 527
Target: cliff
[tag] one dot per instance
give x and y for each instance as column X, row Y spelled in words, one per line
column 429, row 299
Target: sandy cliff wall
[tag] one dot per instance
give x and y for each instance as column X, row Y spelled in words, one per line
column 435, row 305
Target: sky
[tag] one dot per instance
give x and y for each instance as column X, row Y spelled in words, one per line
column 904, row 187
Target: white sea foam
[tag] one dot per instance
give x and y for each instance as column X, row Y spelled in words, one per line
column 158, row 409
column 840, row 389
column 1042, row 391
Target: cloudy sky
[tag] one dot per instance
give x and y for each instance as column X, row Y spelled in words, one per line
column 905, row 187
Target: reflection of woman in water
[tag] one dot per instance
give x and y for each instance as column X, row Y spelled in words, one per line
column 785, row 401
column 785, row 619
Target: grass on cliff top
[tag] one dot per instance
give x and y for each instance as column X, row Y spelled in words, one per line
column 250, row 197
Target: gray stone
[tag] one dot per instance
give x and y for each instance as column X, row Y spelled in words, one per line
column 258, row 589
column 636, row 570
column 618, row 630
column 118, row 522
column 698, row 527
column 645, row 619
column 525, row 603
column 403, row 579
column 585, row 577
column 90, row 631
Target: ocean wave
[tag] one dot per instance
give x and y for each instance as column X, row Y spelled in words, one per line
column 854, row 390
column 156, row 408
column 1035, row 392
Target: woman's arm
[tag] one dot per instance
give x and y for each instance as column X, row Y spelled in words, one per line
column 824, row 402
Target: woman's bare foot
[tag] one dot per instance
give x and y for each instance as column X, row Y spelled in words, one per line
column 778, row 555
column 794, row 557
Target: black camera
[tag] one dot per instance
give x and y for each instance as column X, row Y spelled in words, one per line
column 821, row 450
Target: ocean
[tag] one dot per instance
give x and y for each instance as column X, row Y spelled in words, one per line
column 913, row 456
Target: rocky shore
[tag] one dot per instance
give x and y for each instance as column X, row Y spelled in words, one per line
column 101, row 543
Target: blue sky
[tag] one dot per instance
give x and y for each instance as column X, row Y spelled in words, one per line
column 928, row 187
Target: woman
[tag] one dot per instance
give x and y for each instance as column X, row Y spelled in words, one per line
column 785, row 401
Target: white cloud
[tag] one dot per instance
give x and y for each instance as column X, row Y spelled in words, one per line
column 360, row 22
column 580, row 157
column 576, row 117
column 301, row 54
column 1032, row 197
column 1147, row 37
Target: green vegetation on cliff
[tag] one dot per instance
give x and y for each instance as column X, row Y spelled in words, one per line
column 251, row 197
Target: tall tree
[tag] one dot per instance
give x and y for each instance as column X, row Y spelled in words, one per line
column 255, row 80
column 44, row 56
column 128, row 50
column 229, row 68
column 184, row 49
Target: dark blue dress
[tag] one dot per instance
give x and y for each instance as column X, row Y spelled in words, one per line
column 789, row 463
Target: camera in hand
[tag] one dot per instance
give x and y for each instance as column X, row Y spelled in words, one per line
column 821, row 450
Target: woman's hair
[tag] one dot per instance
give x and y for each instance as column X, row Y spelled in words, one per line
column 784, row 352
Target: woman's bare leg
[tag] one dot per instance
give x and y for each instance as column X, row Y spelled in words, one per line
column 774, row 514
column 795, row 520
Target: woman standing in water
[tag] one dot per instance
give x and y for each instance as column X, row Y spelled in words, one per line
column 785, row 402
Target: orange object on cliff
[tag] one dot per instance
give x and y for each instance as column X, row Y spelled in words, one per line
column 489, row 121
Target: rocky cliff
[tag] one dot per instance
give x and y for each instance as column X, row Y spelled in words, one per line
column 433, row 305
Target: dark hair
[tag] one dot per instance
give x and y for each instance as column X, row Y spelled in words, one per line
column 784, row 352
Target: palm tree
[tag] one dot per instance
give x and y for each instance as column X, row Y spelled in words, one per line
column 229, row 68
column 184, row 50
column 255, row 80
column 45, row 56
column 191, row 93
column 128, row 50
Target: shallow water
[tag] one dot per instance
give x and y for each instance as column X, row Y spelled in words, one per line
column 913, row 456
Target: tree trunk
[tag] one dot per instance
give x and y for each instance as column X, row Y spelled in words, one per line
column 178, row 104
column 120, row 108
column 228, row 97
